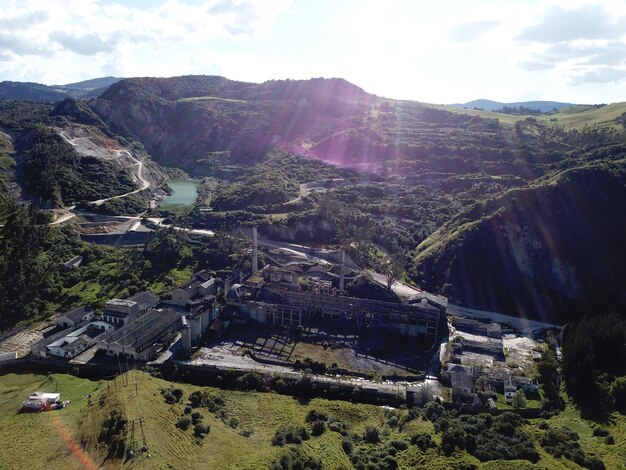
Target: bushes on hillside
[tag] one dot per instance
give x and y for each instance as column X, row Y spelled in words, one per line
column 172, row 395
column 424, row 441
column 293, row 459
column 563, row 442
column 290, row 435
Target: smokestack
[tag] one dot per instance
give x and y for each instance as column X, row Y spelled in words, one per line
column 341, row 276
column 255, row 254
column 186, row 335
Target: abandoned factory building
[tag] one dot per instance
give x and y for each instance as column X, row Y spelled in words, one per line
column 273, row 296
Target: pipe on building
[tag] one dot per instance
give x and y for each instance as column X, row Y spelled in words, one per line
column 341, row 274
column 255, row 254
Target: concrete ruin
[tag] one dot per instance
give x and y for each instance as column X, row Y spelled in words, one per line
column 273, row 296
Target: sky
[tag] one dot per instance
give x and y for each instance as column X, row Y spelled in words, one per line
column 437, row 51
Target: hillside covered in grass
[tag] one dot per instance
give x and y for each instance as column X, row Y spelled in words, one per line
column 226, row 429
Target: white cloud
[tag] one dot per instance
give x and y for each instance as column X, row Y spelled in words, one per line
column 575, row 44
column 599, row 75
column 472, row 30
column 560, row 24
column 64, row 30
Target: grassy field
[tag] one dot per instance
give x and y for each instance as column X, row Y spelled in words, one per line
column 200, row 98
column 68, row 439
column 575, row 117
column 345, row 359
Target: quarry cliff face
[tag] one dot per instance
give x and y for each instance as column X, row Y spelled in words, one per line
column 313, row 230
column 546, row 251
column 139, row 120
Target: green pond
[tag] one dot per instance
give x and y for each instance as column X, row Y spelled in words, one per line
column 184, row 195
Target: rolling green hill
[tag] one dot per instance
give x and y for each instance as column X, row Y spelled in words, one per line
column 572, row 117
column 49, row 94
column 97, row 429
column 489, row 105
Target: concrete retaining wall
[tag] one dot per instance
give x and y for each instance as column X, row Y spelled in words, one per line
column 127, row 238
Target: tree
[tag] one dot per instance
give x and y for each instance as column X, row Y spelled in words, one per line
column 594, row 350
column 423, row 395
column 519, row 399
column 394, row 267
column 548, row 374
column 165, row 248
column 371, row 434
column 26, row 267
column 618, row 394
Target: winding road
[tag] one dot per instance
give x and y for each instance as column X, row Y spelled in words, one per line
column 85, row 146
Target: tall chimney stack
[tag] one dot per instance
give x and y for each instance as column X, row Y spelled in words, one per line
column 255, row 254
column 341, row 275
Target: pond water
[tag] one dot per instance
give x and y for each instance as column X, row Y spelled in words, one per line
column 184, row 195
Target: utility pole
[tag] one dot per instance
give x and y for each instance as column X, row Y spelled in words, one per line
column 143, row 435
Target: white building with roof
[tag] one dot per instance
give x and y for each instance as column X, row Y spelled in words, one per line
column 118, row 312
column 200, row 286
column 78, row 341
column 73, row 317
column 141, row 338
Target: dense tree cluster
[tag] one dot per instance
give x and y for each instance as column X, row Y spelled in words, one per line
column 55, row 172
column 28, row 273
column 594, row 362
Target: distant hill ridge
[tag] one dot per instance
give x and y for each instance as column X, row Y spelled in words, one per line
column 29, row 91
column 489, row 105
column 197, row 86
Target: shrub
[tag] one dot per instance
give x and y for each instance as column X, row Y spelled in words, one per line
column 183, row 423
column 346, row 445
column 519, row 399
column 295, row 459
column 201, row 430
column 398, row 444
column 451, row 439
column 178, row 394
column 486, row 437
column 290, row 435
column 432, row 411
column 172, row 395
column 563, row 442
column 250, row 381
column 609, row 440
column 315, row 415
column 389, row 463
column 213, row 403
column 169, row 398
column 423, row 440
column 392, row 421
column 338, row 426
column 371, row 434
column 318, row 428
column 600, row 431
column 195, row 399
column 618, row 394
column 196, row 417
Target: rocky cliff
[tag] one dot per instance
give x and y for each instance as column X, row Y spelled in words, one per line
column 551, row 250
